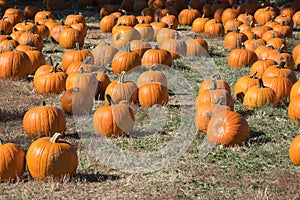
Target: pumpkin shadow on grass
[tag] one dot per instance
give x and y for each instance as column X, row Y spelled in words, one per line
column 7, row 115
column 258, row 137
column 92, row 178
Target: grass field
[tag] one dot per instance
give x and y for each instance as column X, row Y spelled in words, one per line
column 260, row 169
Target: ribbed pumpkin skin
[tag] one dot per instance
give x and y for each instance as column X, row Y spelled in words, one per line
column 239, row 58
column 294, row 108
column 258, row 96
column 75, row 55
column 228, row 128
column 125, row 61
column 205, row 112
column 44, row 120
column 153, row 93
column 15, row 65
column 77, row 101
column 242, row 85
column 11, row 161
column 294, row 151
column 152, row 76
column 295, row 90
column 113, row 120
column 47, row 159
column 156, row 56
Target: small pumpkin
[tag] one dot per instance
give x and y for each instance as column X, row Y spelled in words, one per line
column 12, row 161
column 153, row 93
column 294, row 151
column 43, row 120
column 260, row 95
column 294, row 108
column 51, row 158
column 228, row 128
column 113, row 120
column 122, row 90
column 76, row 101
column 156, row 56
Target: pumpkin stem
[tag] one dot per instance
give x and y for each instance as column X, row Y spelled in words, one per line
column 213, row 84
column 55, row 137
column 128, row 49
column 80, row 71
column 254, row 36
column 261, row 83
column 76, row 89
column 253, row 75
column 2, row 32
column 1, row 142
column 42, row 103
column 282, row 64
column 87, row 60
column 220, row 100
column 216, row 76
column 50, row 60
column 203, row 15
column 123, row 11
column 54, row 70
column 281, row 48
column 170, row 26
column 272, row 18
column 109, row 99
column 157, row 19
column 122, row 77
column 77, row 46
column 11, row 47
column 31, row 31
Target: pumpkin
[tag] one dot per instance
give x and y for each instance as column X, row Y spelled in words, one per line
column 284, row 29
column 6, row 27
column 75, row 18
column 33, row 38
column 213, row 94
column 170, row 20
column 270, row 34
column 85, row 65
column 187, row 16
column 42, row 30
column 296, row 52
column 152, row 76
column 199, row 23
column 260, row 66
column 229, row 14
column 205, row 112
column 196, row 47
column 243, row 84
column 297, row 62
column 276, row 43
column 70, row 37
column 282, row 87
column 157, row 25
column 260, row 30
column 166, row 33
column 51, row 158
column 42, row 15
column 14, row 64
column 296, row 18
column 12, row 161
column 107, row 23
column 294, row 108
column 103, row 54
column 152, row 93
column 294, row 151
column 253, row 43
column 228, row 128
column 113, row 120
column 239, row 58
column 280, row 71
column 103, row 82
column 5, row 45
column 260, row 95
column 43, row 120
column 122, row 90
column 214, row 28
column 76, row 54
column 232, row 25
column 280, row 55
column 124, row 35
column 129, row 20
column 83, row 80
column 36, row 57
column 145, row 18
column 245, row 18
column 156, row 56
column 125, row 60
column 175, row 46
column 52, row 82
column 234, row 39
column 146, row 31
column 107, row 9
column 295, row 90
column 56, row 30
column 139, row 46
column 264, row 15
column 215, row 79
column 76, row 101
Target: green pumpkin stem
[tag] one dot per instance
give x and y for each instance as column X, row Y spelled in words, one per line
column 216, row 76
column 54, row 69
column 87, row 60
column 77, row 46
column 81, row 71
column 122, row 77
column 282, row 64
column 220, row 101
column 55, row 137
column 42, row 103
column 50, row 61
column 128, row 49
column 109, row 99
column 1, row 142
column 281, row 48
column 11, row 47
column 213, row 84
column 253, row 75
column 260, row 83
